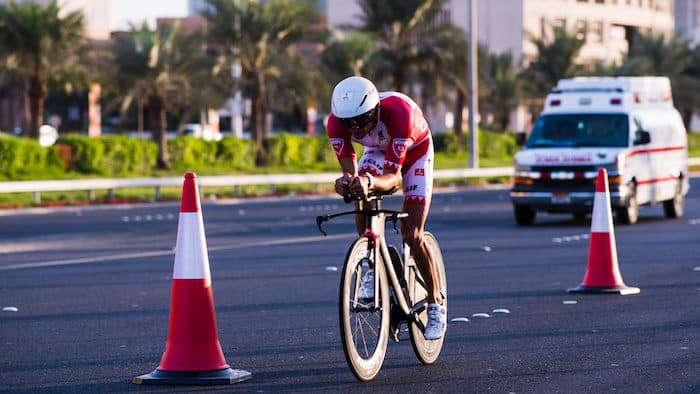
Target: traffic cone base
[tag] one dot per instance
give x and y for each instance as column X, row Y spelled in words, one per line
column 223, row 376
column 621, row 290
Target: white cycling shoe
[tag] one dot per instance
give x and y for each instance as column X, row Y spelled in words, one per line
column 366, row 291
column 437, row 322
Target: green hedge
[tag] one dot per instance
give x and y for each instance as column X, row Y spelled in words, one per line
column 22, row 158
column 694, row 144
column 187, row 153
column 117, row 156
column 492, row 145
column 236, row 154
column 297, row 150
column 107, row 156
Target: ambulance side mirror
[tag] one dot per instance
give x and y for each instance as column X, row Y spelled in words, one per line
column 521, row 138
column 642, row 137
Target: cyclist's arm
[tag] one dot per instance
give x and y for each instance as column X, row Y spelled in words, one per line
column 348, row 164
column 382, row 182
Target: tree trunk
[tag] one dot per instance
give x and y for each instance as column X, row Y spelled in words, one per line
column 504, row 119
column 399, row 78
column 687, row 115
column 257, row 117
column 159, row 130
column 26, row 113
column 37, row 95
column 459, row 107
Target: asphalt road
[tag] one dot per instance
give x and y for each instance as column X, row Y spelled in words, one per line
column 92, row 291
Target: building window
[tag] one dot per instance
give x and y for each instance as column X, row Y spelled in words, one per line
column 581, row 29
column 543, row 28
column 600, row 1
column 559, row 23
column 445, row 17
column 582, row 1
column 599, row 31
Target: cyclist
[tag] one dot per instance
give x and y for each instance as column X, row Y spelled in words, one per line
column 397, row 146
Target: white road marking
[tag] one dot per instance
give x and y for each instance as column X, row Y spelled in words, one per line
column 142, row 255
column 571, row 238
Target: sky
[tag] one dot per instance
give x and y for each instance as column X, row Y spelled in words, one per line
column 125, row 11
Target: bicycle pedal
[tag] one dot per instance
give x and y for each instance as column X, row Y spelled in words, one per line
column 397, row 317
column 395, row 334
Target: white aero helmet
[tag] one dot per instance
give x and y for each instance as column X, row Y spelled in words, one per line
column 355, row 102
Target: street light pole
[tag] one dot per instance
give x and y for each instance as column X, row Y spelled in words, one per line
column 236, row 73
column 472, row 88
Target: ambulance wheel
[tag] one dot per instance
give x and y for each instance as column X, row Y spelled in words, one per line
column 630, row 212
column 524, row 215
column 673, row 208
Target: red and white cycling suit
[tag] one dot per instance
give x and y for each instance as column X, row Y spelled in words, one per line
column 401, row 140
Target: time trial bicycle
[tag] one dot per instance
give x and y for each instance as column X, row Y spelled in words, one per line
column 400, row 294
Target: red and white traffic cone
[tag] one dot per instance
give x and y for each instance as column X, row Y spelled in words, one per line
column 603, row 273
column 192, row 351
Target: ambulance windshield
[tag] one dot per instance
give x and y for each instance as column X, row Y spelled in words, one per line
column 580, row 130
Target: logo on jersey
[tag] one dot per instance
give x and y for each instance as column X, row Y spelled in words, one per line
column 399, row 146
column 338, row 144
column 419, row 172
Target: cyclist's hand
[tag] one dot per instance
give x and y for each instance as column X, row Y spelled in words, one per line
column 341, row 185
column 358, row 187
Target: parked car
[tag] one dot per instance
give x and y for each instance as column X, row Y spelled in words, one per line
column 201, row 131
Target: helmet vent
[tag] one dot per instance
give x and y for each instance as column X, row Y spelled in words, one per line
column 363, row 101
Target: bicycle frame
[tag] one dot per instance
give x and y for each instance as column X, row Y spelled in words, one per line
column 375, row 226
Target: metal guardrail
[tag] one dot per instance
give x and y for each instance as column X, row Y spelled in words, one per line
column 90, row 185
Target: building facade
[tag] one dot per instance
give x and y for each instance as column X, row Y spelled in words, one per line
column 97, row 14
column 687, row 13
column 608, row 26
column 509, row 25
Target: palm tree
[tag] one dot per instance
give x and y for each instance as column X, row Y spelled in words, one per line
column 41, row 44
column 502, row 87
column 555, row 59
column 167, row 70
column 347, row 55
column 410, row 34
column 690, row 101
column 655, row 54
column 263, row 39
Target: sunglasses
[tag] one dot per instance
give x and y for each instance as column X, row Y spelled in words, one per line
column 359, row 121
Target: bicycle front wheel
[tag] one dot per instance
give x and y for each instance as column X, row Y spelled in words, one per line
column 364, row 324
column 427, row 351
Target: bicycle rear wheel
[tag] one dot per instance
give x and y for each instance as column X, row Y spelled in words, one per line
column 427, row 351
column 364, row 325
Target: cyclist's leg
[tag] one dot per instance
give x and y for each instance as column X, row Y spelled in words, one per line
column 412, row 233
column 417, row 189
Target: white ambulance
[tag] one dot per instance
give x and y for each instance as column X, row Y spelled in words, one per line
column 627, row 125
